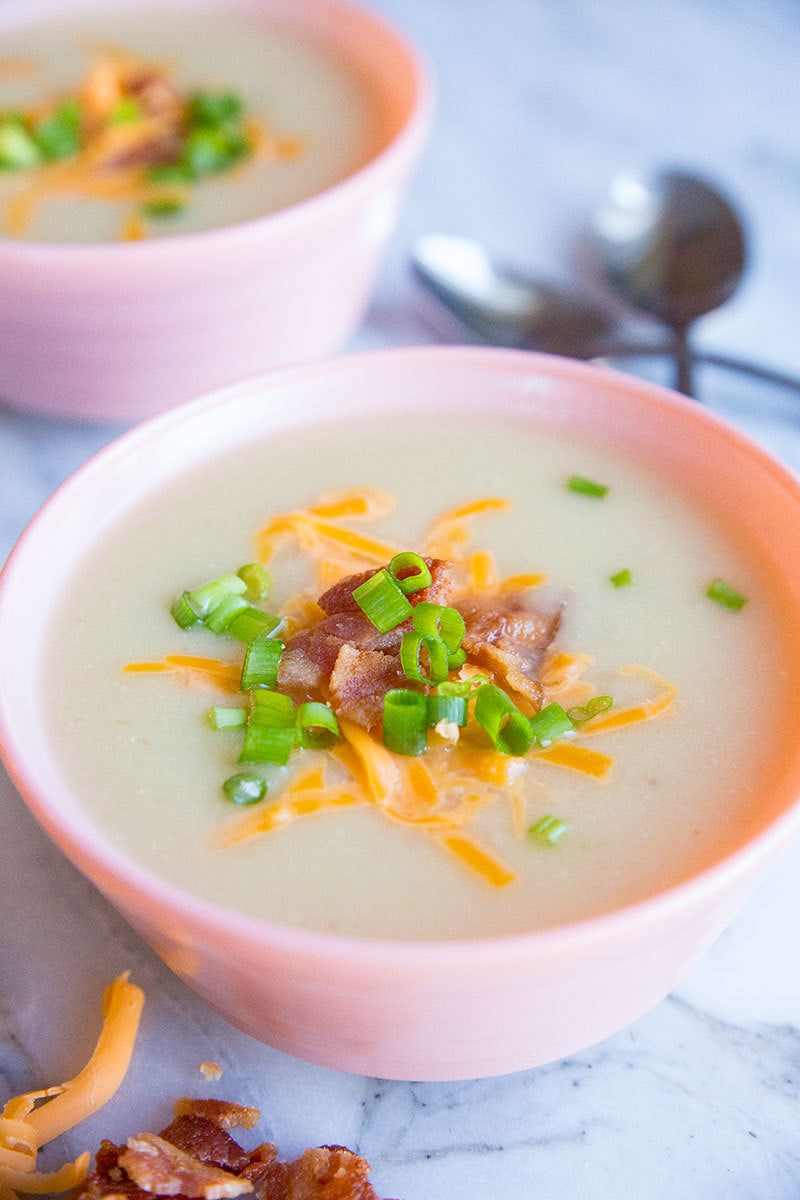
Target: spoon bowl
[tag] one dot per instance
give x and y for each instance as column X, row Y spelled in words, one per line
column 671, row 245
column 502, row 305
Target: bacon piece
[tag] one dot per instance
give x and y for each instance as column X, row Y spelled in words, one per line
column 339, row 598
column 310, row 656
column 206, row 1140
column 134, row 1173
column 325, row 1173
column 508, row 638
column 223, row 1113
column 359, row 681
column 159, row 1167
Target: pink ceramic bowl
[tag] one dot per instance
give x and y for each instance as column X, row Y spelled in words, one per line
column 123, row 330
column 403, row 1009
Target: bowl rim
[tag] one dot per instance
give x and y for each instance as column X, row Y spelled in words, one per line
column 278, row 223
column 110, row 867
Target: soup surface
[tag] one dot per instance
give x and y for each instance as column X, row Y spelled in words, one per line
column 292, row 88
column 645, row 803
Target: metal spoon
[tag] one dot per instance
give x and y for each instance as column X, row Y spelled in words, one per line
column 671, row 245
column 502, row 305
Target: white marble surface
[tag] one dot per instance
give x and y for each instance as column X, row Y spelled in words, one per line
column 540, row 101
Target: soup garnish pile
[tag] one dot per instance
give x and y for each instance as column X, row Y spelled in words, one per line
column 129, row 132
column 430, row 685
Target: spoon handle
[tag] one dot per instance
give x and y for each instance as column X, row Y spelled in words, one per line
column 684, row 373
column 739, row 366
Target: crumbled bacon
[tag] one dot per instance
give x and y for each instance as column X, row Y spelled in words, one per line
column 343, row 657
column 359, row 681
column 224, row 1113
column 509, row 639
column 339, row 598
column 153, row 1166
column 159, row 1167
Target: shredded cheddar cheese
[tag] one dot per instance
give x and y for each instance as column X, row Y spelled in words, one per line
column 442, row 794
column 29, row 1121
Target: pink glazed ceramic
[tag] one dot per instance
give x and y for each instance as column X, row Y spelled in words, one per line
column 401, row 1009
column 120, row 331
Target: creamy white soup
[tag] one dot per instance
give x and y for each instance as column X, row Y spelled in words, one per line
column 315, row 119
column 639, row 805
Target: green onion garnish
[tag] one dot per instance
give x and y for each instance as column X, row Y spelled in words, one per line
column 223, row 612
column 317, row 726
column 58, row 136
column 268, row 743
column 439, row 620
column 251, row 623
column 508, row 728
column 410, row 572
column 456, row 658
column 257, row 580
column 210, row 109
column 381, row 600
column 587, row 487
column 549, row 830
column 226, row 718
column 125, row 112
column 169, row 173
column 405, row 721
column 585, row 712
column 551, row 723
column 208, row 151
column 722, row 593
column 183, row 612
column 622, row 578
column 261, row 661
column 205, row 598
column 245, row 788
column 18, row 148
column 417, row 646
column 445, row 706
column 272, row 708
column 168, row 205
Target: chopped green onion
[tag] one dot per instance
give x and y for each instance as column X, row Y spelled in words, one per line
column 722, row 593
column 125, row 112
column 251, row 623
column 622, row 578
column 208, row 151
column 317, row 726
column 226, row 718
column 440, row 621
column 168, row 205
column 223, row 612
column 456, row 658
column 381, row 600
column 548, row 829
column 410, row 572
column 272, row 708
column 245, row 788
column 261, row 661
column 405, row 721
column 210, row 109
column 508, row 728
column 18, row 148
column 268, row 743
column 412, row 648
column 444, row 706
column 169, row 173
column 257, row 580
column 591, row 708
column 58, row 136
column 587, row 487
column 183, row 613
column 551, row 723
column 204, row 598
